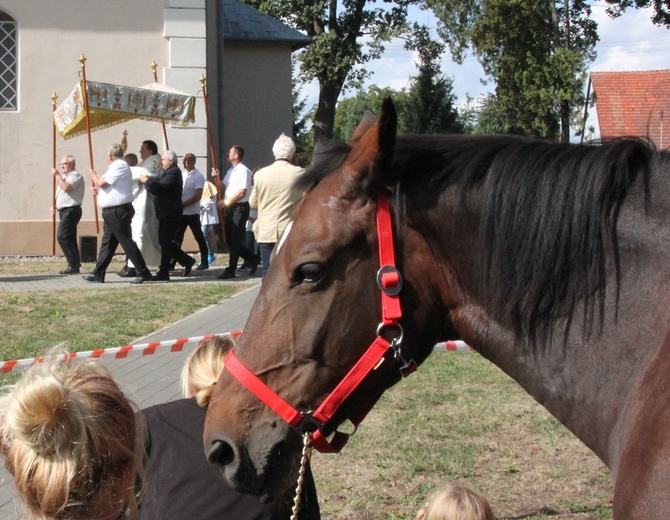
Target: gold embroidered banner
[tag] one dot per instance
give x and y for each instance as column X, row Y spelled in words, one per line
column 114, row 104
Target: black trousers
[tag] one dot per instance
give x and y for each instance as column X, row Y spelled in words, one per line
column 116, row 230
column 167, row 229
column 236, row 223
column 67, row 235
column 192, row 222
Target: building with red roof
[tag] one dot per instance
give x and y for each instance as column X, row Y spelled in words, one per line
column 633, row 104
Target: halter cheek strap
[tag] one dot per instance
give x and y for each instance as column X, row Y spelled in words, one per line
column 389, row 281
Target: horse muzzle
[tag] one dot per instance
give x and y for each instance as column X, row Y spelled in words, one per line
column 266, row 468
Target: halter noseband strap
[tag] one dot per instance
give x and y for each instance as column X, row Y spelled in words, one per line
column 389, row 281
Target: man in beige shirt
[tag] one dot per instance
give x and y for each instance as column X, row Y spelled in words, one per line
column 274, row 196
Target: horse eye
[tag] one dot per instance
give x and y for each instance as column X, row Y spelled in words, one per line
column 308, row 273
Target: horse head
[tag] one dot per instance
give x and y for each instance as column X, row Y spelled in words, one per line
column 315, row 316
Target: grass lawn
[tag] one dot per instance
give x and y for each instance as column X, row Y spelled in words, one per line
column 33, row 322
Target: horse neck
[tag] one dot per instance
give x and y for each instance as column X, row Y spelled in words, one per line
column 565, row 375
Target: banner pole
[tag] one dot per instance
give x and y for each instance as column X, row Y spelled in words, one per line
column 154, row 66
column 54, row 98
column 82, row 60
column 219, row 186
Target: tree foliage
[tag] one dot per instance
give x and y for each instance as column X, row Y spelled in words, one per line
column 661, row 9
column 536, row 52
column 346, row 35
column 350, row 110
column 431, row 100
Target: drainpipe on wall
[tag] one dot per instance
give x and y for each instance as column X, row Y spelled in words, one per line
column 214, row 51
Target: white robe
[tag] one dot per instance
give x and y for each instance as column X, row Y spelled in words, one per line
column 145, row 224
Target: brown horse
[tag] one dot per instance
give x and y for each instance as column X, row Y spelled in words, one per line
column 552, row 261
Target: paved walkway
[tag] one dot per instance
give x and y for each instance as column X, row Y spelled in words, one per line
column 147, row 380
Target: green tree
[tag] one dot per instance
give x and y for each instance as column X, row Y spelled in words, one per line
column 661, row 9
column 431, row 99
column 302, row 134
column 350, row 110
column 346, row 35
column 482, row 116
column 536, row 52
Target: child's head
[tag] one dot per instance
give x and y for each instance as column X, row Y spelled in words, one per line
column 203, row 367
column 455, row 502
column 68, row 435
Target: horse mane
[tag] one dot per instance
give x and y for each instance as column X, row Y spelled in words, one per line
column 549, row 214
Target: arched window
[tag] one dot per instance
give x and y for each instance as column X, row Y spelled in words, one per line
column 8, row 63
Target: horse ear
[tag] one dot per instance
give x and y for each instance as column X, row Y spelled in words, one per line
column 366, row 123
column 372, row 154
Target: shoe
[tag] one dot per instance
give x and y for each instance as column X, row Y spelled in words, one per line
column 144, row 277
column 202, row 267
column 211, row 259
column 189, row 266
column 243, row 268
column 160, row 277
column 94, row 278
column 254, row 266
column 69, row 270
column 226, row 274
column 127, row 272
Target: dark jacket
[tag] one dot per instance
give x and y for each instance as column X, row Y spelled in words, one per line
column 166, row 192
column 180, row 483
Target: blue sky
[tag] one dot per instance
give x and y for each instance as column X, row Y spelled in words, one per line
column 630, row 42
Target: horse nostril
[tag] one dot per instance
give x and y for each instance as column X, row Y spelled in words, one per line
column 220, row 453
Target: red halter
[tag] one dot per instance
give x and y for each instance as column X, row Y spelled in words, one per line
column 389, row 281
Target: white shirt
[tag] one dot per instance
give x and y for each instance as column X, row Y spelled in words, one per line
column 74, row 197
column 236, row 179
column 120, row 185
column 194, row 180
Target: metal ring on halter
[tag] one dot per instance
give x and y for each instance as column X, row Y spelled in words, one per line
column 309, row 424
column 394, row 289
column 397, row 340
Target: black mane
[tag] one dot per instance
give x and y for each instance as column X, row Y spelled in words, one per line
column 549, row 213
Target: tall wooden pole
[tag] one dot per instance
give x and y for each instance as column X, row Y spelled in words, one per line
column 154, row 66
column 54, row 98
column 219, row 186
column 84, row 92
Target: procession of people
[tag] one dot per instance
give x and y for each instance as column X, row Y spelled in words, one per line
column 147, row 207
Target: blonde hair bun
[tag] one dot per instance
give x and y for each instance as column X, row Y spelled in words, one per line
column 45, row 416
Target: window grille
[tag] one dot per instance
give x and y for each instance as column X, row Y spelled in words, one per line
column 8, row 63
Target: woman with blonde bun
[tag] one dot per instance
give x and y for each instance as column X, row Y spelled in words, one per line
column 456, row 502
column 180, row 483
column 68, row 435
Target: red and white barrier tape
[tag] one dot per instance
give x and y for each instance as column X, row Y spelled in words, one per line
column 147, row 349
column 452, row 346
column 126, row 352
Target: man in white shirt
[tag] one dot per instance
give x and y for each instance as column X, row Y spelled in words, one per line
column 237, row 184
column 69, row 196
column 194, row 183
column 115, row 197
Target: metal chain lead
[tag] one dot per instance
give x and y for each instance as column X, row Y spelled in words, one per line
column 306, row 452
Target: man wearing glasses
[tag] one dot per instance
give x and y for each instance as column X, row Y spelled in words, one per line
column 69, row 196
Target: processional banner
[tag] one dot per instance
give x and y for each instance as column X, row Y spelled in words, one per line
column 111, row 105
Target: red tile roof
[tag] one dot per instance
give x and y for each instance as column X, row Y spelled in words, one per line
column 631, row 104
